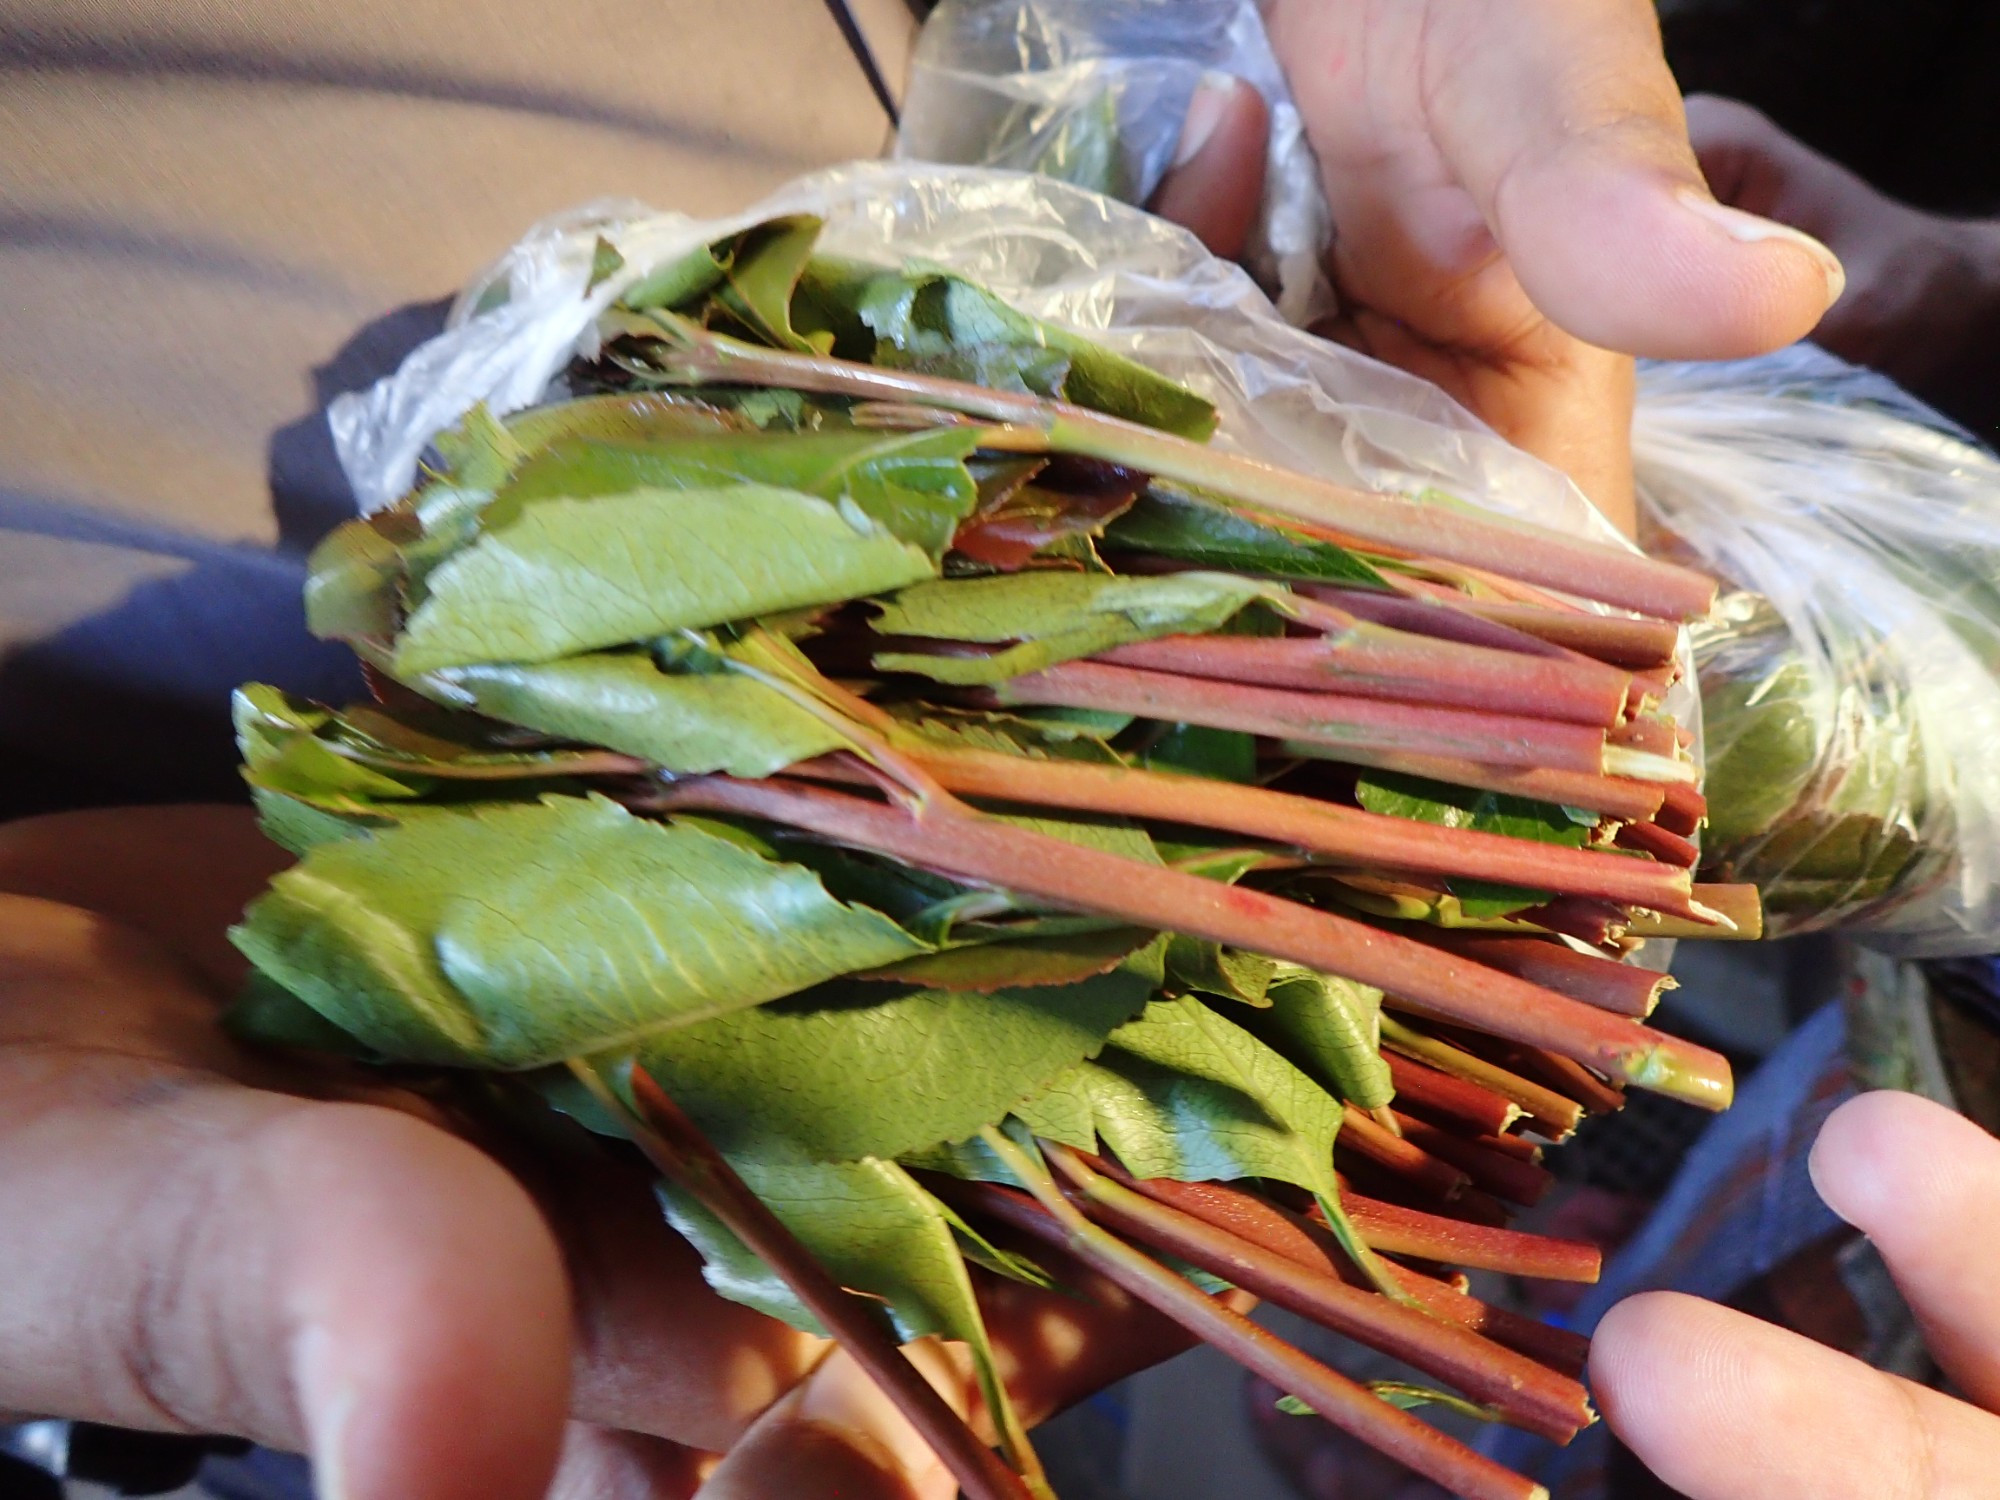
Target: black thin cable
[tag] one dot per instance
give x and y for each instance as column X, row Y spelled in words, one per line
column 857, row 43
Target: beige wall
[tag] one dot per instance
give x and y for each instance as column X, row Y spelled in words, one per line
column 202, row 201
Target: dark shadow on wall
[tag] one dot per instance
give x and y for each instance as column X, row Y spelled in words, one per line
column 309, row 493
column 131, row 704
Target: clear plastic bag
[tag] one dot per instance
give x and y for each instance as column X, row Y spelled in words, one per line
column 1133, row 282
column 1093, row 92
column 1851, row 678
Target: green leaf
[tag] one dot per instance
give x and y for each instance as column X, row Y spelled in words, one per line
column 1487, row 812
column 357, row 577
column 1211, row 969
column 605, row 262
column 1467, row 807
column 925, row 318
column 1171, row 523
column 983, row 967
column 687, row 722
column 851, row 1070
column 914, row 483
column 762, row 275
column 1197, row 750
column 872, row 1228
column 266, row 1014
column 1184, row 1093
column 676, row 282
column 1010, row 734
column 576, row 575
column 521, row 935
column 1330, row 1028
column 1055, row 616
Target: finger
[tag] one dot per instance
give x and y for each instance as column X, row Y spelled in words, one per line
column 1723, row 1407
column 179, row 874
column 834, row 1434
column 1924, row 1184
column 186, row 1253
column 1561, row 122
column 658, row 1351
column 601, row 1464
column 1216, row 184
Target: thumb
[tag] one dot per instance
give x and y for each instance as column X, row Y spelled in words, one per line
column 1561, row 118
column 181, row 1252
column 1216, row 184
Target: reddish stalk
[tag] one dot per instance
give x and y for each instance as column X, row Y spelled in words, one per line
column 1603, row 982
column 1504, row 1176
column 1297, row 1238
column 1348, row 834
column 1654, row 736
column 1441, row 1094
column 1412, row 1164
column 1559, row 1115
column 1053, row 1219
column 1525, row 1393
column 1396, row 1230
column 1615, row 796
column 1651, row 839
column 1638, row 644
column 1585, row 918
column 967, row 846
column 1364, row 730
column 1683, row 809
column 1567, row 1078
column 672, row 1143
column 1434, row 618
column 1371, row 662
column 1517, row 1146
column 1532, row 553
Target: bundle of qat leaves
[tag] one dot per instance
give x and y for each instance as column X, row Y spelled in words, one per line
column 867, row 750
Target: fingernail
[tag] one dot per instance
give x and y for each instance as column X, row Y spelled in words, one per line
column 328, row 1400
column 1750, row 229
column 1204, row 113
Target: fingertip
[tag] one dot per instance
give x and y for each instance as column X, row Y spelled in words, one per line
column 1889, row 1158
column 433, row 1347
column 1640, row 259
column 1216, row 184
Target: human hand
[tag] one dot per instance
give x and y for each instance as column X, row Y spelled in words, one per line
column 193, row 1237
column 1923, row 298
column 1723, row 1407
column 1517, row 210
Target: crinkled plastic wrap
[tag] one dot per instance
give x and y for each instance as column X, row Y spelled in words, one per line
column 1094, row 92
column 1133, row 282
column 1851, row 680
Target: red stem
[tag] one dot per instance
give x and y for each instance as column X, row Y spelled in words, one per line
column 1479, row 1108
column 1612, row 795
column 1503, row 1176
column 1396, row 1230
column 1312, row 1245
column 1557, row 1115
column 1362, row 729
column 1370, row 662
column 1348, row 834
column 1414, row 1165
column 1622, row 641
column 1603, row 982
column 967, row 846
column 1346, row 1404
column 1654, row 736
column 1651, row 839
column 1682, row 810
column 679, row 1150
column 1526, row 1393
